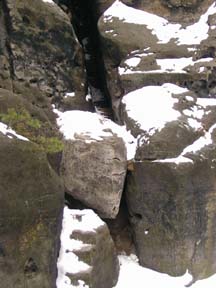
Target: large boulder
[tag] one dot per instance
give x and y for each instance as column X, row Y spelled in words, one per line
column 94, row 161
column 88, row 249
column 170, row 189
column 171, row 185
column 172, row 210
column 166, row 119
column 31, row 207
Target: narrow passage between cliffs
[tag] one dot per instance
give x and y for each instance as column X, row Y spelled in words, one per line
column 84, row 21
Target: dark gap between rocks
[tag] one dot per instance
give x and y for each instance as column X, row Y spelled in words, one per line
column 8, row 28
column 84, row 21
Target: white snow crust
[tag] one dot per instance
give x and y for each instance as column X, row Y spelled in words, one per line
column 95, row 127
column 173, row 65
column 84, row 220
column 152, row 106
column 133, row 275
column 165, row 31
column 48, row 1
column 10, row 133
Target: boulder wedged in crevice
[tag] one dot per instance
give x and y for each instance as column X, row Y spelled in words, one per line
column 100, row 172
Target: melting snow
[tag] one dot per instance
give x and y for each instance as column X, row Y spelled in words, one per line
column 174, row 65
column 95, row 127
column 10, row 133
column 133, row 62
column 68, row 262
column 165, row 31
column 152, row 106
column 48, row 1
column 70, row 94
column 133, row 275
column 193, row 148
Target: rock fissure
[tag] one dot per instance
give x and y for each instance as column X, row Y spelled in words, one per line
column 84, row 21
column 8, row 29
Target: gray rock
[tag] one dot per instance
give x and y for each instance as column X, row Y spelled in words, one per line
column 117, row 50
column 31, row 205
column 94, row 172
column 172, row 215
column 41, row 52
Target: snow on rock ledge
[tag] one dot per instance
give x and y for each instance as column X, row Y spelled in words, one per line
column 159, row 26
column 10, row 133
column 166, row 119
column 94, row 160
column 87, row 251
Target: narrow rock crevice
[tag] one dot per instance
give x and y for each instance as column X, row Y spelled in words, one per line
column 8, row 31
column 84, row 21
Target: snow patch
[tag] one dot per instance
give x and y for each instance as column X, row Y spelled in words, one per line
column 48, row 1
column 133, row 275
column 193, row 148
column 160, row 27
column 173, row 65
column 152, row 106
column 70, row 94
column 95, row 127
column 133, row 62
column 85, row 220
column 10, row 133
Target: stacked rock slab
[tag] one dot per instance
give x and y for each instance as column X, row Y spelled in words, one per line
column 167, row 74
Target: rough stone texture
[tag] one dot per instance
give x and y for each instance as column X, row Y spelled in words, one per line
column 40, row 61
column 171, row 206
column 100, row 254
column 39, row 50
column 94, row 172
column 31, row 204
column 172, row 210
column 117, row 50
column 169, row 141
column 103, row 5
column 187, row 11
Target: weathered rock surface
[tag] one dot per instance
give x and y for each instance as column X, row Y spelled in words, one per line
column 94, row 165
column 172, row 211
column 40, row 62
column 170, row 186
column 31, row 203
column 164, row 132
column 166, row 52
column 39, row 50
column 87, row 237
column 174, row 10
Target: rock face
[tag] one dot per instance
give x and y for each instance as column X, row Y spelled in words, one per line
column 100, row 172
column 40, row 61
column 141, row 61
column 172, row 214
column 94, row 167
column 39, row 51
column 30, row 216
column 166, row 80
column 87, row 237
